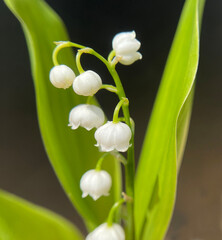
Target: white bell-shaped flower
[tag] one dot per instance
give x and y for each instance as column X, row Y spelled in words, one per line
column 87, row 116
column 61, row 76
column 87, row 83
column 126, row 46
column 95, row 183
column 113, row 136
column 105, row 232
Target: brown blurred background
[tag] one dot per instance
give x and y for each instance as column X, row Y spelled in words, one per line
column 24, row 167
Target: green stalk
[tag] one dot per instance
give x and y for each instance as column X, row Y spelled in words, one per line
column 109, row 88
column 113, row 210
column 60, row 46
column 100, row 161
column 130, row 165
column 123, row 101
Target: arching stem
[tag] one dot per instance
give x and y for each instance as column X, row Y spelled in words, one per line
column 109, row 88
column 123, row 101
column 113, row 210
column 78, row 63
column 100, row 161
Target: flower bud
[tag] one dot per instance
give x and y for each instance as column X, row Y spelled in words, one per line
column 126, row 46
column 105, row 232
column 113, row 136
column 61, row 76
column 95, row 183
column 87, row 116
column 87, row 83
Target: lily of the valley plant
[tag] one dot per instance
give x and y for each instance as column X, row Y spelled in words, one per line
column 113, row 136
column 87, row 150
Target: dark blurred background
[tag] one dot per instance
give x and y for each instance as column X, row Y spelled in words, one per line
column 24, row 167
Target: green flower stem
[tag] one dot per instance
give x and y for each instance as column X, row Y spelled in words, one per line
column 100, row 161
column 111, row 56
column 119, row 157
column 113, row 210
column 109, row 88
column 78, row 63
column 61, row 45
column 130, row 166
column 123, row 101
column 132, row 125
column 89, row 99
column 116, row 155
column 115, row 61
column 122, row 119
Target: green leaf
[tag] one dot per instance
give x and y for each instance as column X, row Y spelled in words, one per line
column 21, row 220
column 167, row 131
column 71, row 152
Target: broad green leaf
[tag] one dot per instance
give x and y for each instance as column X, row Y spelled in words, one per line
column 71, row 152
column 21, row 220
column 167, row 131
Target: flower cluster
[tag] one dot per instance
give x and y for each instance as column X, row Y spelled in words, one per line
column 112, row 136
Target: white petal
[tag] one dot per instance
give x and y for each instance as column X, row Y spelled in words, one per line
column 104, row 148
column 113, row 136
column 123, row 148
column 120, row 37
column 74, row 126
column 87, row 116
column 128, row 47
column 105, row 232
column 61, row 76
column 87, row 83
column 84, row 195
column 95, row 183
column 95, row 197
column 129, row 59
